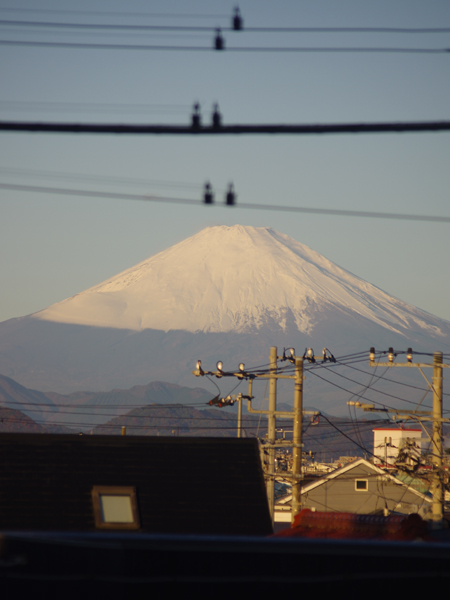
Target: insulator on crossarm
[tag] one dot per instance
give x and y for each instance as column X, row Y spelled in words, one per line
column 328, row 356
column 216, row 116
column 196, row 116
column 310, row 355
column 208, row 196
column 219, row 42
column 230, row 197
column 199, row 368
column 237, row 22
column 409, row 355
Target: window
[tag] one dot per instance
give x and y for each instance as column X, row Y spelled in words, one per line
column 115, row 507
column 361, row 485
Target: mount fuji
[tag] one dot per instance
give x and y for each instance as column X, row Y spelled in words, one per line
column 227, row 293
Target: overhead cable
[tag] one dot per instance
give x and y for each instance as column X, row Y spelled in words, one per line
column 192, row 202
column 247, row 129
column 144, row 27
column 282, row 49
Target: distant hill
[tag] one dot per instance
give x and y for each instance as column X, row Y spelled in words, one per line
column 327, row 441
column 83, row 410
column 15, row 421
column 163, row 409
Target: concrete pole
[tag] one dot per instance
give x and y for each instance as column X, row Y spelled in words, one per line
column 437, row 489
column 239, row 423
column 270, row 484
column 297, row 438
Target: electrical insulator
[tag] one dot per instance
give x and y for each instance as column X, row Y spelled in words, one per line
column 391, row 355
column 219, row 42
column 216, row 117
column 219, row 365
column 231, row 196
column 228, row 401
column 409, row 355
column 196, row 117
column 241, row 367
column 310, row 355
column 372, row 354
column 237, row 21
column 199, row 368
column 208, row 196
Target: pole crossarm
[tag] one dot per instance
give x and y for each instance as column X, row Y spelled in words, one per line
column 241, row 375
column 419, row 417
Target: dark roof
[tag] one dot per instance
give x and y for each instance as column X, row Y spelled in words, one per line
column 183, row 485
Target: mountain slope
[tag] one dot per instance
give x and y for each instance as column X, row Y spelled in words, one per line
column 235, row 279
column 227, row 293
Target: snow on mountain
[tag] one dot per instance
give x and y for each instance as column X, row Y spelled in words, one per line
column 227, row 293
column 236, row 279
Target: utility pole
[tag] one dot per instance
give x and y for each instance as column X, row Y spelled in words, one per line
column 230, row 401
column 272, row 430
column 297, row 438
column 437, row 488
column 435, row 416
column 272, row 444
column 239, row 424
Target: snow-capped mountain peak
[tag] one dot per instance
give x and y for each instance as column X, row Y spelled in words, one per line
column 237, row 278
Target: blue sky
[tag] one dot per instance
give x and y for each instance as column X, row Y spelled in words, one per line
column 54, row 246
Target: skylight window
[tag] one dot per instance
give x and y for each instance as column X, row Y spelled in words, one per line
column 115, row 507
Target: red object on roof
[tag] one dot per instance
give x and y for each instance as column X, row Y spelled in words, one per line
column 315, row 524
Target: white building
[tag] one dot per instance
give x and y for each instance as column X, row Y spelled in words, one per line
column 388, row 442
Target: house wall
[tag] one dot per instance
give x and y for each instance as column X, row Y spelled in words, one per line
column 340, row 495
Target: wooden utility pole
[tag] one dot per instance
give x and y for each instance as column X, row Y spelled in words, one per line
column 297, row 438
column 270, row 484
column 297, row 415
column 437, row 488
column 434, row 416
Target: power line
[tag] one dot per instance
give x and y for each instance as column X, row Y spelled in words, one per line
column 143, row 27
column 107, row 26
column 185, row 201
column 247, row 129
column 416, row 387
column 20, row 105
column 282, row 49
column 118, row 14
column 98, row 179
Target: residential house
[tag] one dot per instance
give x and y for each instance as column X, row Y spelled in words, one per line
column 359, row 487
